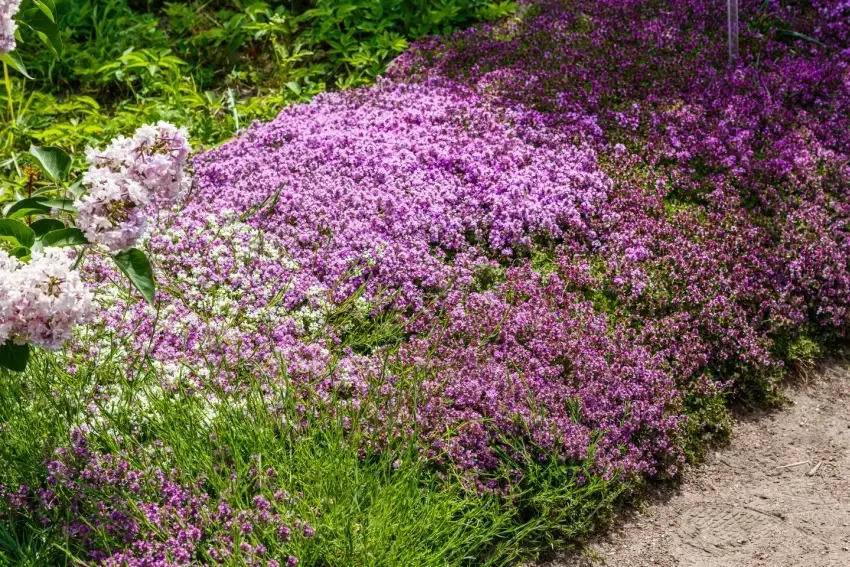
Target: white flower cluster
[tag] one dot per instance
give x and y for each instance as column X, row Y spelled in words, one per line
column 123, row 178
column 41, row 301
column 8, row 9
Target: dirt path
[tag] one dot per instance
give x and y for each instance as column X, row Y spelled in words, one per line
column 777, row 496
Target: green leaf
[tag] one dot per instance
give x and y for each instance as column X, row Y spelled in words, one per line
column 64, row 237
column 14, row 357
column 21, row 253
column 45, row 28
column 137, row 268
column 48, row 8
column 32, row 206
column 17, row 233
column 23, row 213
column 37, row 206
column 798, row 35
column 43, row 226
column 54, row 161
column 13, row 60
column 66, row 205
column 294, row 87
column 76, row 189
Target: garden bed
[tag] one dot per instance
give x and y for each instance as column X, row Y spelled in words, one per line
column 453, row 317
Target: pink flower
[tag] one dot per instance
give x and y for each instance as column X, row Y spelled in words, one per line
column 8, row 9
column 125, row 177
column 41, row 301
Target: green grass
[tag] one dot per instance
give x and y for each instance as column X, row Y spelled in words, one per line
column 378, row 508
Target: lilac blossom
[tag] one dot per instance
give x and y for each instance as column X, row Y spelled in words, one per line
column 41, row 301
column 111, row 213
column 8, row 9
column 8, row 267
column 155, row 156
column 125, row 177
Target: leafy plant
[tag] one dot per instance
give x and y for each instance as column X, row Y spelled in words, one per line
column 102, row 211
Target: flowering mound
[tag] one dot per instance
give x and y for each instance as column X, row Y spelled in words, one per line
column 531, row 360
column 719, row 239
column 731, row 183
column 399, row 178
column 404, row 192
column 400, row 197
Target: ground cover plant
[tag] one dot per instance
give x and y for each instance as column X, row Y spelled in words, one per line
column 451, row 318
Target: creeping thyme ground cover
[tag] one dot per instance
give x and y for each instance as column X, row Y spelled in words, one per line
column 450, row 318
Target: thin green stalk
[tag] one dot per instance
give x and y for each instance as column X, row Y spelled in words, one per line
column 8, row 83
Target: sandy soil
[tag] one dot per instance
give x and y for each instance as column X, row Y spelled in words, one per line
column 777, row 496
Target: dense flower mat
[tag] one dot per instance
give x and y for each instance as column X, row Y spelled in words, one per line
column 581, row 223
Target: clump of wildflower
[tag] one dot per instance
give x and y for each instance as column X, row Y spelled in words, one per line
column 41, row 301
column 8, row 9
column 129, row 513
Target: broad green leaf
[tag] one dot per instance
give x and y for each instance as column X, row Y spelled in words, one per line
column 14, row 357
column 17, row 233
column 294, row 87
column 76, row 189
column 13, row 60
column 31, row 206
column 66, row 205
column 64, row 237
column 137, row 268
column 54, row 161
column 38, row 206
column 43, row 226
column 23, row 213
column 21, row 253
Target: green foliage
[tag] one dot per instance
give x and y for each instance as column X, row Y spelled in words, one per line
column 708, row 422
column 802, row 350
column 136, row 266
column 39, row 18
column 16, row 233
column 14, row 356
column 53, row 161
